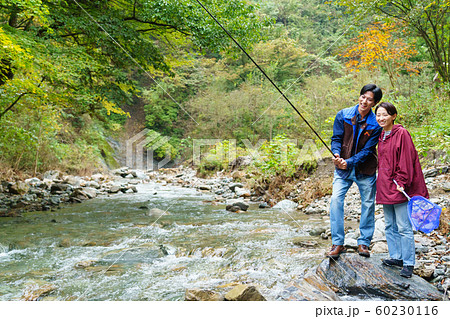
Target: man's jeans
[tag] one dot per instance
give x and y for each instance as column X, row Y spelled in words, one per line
column 399, row 233
column 367, row 189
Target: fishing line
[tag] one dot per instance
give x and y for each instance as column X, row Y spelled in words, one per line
column 262, row 71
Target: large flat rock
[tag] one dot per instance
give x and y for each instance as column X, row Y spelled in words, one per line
column 352, row 274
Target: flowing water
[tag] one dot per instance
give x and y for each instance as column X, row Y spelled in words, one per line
column 116, row 248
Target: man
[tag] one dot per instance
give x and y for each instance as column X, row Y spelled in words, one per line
column 354, row 141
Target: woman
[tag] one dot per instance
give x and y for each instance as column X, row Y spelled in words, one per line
column 397, row 160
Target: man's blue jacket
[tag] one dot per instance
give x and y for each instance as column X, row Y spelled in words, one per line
column 364, row 159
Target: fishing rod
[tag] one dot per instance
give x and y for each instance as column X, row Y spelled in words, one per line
column 262, row 71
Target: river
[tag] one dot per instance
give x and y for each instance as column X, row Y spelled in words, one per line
column 112, row 248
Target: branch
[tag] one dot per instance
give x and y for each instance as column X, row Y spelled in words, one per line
column 156, row 24
column 18, row 98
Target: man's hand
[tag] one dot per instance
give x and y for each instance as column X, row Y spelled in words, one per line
column 339, row 162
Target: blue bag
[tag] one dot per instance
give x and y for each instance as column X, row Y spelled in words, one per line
column 423, row 214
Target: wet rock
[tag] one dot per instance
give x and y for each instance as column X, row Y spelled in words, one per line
column 309, row 288
column 263, row 205
column 354, row 275
column 204, row 187
column 286, row 205
column 84, row 264
column 65, row 243
column 233, row 208
column 317, row 231
column 35, row 291
column 240, row 205
column 304, row 243
column 202, row 295
column 244, row 293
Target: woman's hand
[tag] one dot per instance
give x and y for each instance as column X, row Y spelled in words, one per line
column 400, row 189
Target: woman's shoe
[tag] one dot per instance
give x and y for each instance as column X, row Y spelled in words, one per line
column 407, row 271
column 393, row 262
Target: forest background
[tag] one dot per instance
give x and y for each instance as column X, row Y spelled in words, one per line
column 75, row 76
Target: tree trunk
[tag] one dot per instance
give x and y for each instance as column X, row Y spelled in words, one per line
column 13, row 17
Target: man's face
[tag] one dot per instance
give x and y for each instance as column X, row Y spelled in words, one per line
column 366, row 102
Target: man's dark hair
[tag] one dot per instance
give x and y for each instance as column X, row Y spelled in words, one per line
column 390, row 108
column 377, row 94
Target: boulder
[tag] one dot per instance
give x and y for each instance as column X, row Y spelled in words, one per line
column 379, row 248
column 263, row 205
column 202, row 295
column 242, row 192
column 114, row 189
column 19, row 188
column 355, row 275
column 304, row 243
column 241, row 205
column 33, row 181
column 75, row 181
column 244, row 293
column 424, row 271
column 59, row 188
column 317, row 231
column 233, row 208
column 286, row 204
column 233, row 186
column 90, row 192
column 51, row 175
column 314, row 209
column 446, row 186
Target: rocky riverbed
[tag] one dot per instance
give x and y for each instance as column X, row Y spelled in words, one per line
column 54, row 189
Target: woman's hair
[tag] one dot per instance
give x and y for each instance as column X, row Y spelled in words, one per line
column 390, row 109
column 377, row 94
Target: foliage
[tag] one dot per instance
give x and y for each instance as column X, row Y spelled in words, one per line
column 429, row 19
column 377, row 47
column 425, row 115
column 83, row 58
column 219, row 157
column 278, row 156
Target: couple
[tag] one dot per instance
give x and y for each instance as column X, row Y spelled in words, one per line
column 356, row 132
